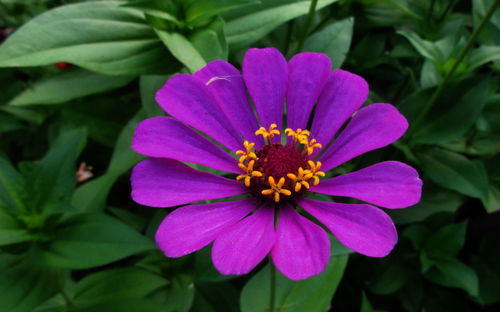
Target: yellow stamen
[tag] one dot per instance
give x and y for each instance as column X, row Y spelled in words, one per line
column 247, row 153
column 301, row 179
column 268, row 134
column 249, row 172
column 309, row 145
column 276, row 189
column 297, row 135
column 314, row 169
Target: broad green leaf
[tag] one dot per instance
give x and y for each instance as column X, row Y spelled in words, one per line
column 454, row 123
column 116, row 284
column 12, row 187
column 23, row 113
column 210, row 41
column 12, row 231
column 426, row 48
column 92, row 195
column 204, row 9
column 178, row 295
column 313, row 294
column 333, row 40
column 23, row 285
column 248, row 25
column 101, row 36
column 447, row 242
column 149, row 85
column 492, row 202
column 482, row 55
column 453, row 273
column 434, row 200
column 53, row 180
column 129, row 305
column 455, row 172
column 92, row 239
column 66, row 86
column 182, row 49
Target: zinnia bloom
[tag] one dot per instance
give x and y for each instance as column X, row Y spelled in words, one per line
column 214, row 124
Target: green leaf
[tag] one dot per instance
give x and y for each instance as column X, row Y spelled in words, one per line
column 182, row 49
column 178, row 295
column 246, row 26
column 447, row 242
column 389, row 278
column 454, row 123
column 101, row 36
column 116, row 284
column 12, row 231
column 92, row 195
column 313, row 294
column 333, row 40
column 89, row 240
column 427, row 49
column 129, row 305
column 453, row 273
column 455, row 172
column 53, row 180
column 492, row 202
column 203, row 9
column 68, row 85
column 149, row 85
column 23, row 285
column 12, row 187
column 483, row 55
column 210, row 41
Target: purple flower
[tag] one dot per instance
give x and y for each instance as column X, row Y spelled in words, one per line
column 273, row 177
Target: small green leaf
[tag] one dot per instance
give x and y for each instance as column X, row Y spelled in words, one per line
column 89, row 240
column 67, row 86
column 12, row 187
column 453, row 273
column 53, row 180
column 246, row 26
column 455, row 172
column 116, row 284
column 447, row 242
column 313, row 294
column 129, row 305
column 483, row 55
column 203, row 9
column 333, row 40
column 427, row 49
column 23, row 285
column 210, row 41
column 148, row 86
column 101, row 36
column 492, row 201
column 12, row 231
column 182, row 49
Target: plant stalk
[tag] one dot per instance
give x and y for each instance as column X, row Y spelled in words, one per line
column 455, row 65
column 310, row 15
column 272, row 297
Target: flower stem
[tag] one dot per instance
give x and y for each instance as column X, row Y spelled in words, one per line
column 423, row 112
column 312, row 9
column 272, row 297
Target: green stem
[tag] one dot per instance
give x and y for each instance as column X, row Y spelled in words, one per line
column 310, row 15
column 272, row 297
column 457, row 62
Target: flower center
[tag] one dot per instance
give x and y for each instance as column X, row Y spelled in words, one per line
column 280, row 172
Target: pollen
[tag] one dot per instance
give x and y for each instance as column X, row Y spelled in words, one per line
column 249, row 172
column 276, row 189
column 287, row 164
column 269, row 133
column 247, row 153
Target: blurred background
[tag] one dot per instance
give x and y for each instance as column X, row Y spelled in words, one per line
column 77, row 76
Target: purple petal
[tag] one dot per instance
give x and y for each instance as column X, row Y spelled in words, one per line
column 189, row 100
column 373, row 127
column 161, row 182
column 169, row 138
column 265, row 74
column 302, row 248
column 307, row 74
column 190, row 228
column 363, row 228
column 239, row 249
column 390, row 184
column 342, row 95
column 225, row 82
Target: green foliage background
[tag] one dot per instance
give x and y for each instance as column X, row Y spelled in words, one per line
column 87, row 247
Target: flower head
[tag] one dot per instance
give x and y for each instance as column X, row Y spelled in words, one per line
column 275, row 177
